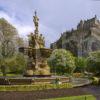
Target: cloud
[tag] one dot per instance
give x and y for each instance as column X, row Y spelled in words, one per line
column 24, row 30
column 49, row 34
column 56, row 16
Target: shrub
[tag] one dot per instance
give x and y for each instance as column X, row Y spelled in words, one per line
column 81, row 64
column 95, row 80
column 62, row 61
column 94, row 62
column 16, row 64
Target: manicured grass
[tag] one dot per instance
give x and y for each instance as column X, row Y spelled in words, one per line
column 10, row 74
column 85, row 97
column 34, row 87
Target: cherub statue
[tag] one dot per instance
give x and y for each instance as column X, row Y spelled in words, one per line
column 41, row 41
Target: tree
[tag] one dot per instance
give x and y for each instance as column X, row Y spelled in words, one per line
column 16, row 64
column 8, row 46
column 81, row 64
column 94, row 62
column 8, row 34
column 20, row 41
column 62, row 61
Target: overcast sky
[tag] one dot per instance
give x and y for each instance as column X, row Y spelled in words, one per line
column 56, row 16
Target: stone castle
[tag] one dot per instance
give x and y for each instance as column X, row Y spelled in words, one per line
column 81, row 41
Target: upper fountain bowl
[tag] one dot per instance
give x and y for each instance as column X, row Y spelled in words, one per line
column 44, row 52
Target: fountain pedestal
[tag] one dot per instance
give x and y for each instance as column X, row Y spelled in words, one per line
column 37, row 64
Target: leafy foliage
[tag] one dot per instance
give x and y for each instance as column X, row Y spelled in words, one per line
column 7, row 35
column 62, row 61
column 94, row 62
column 81, row 64
column 95, row 80
column 17, row 64
column 9, row 43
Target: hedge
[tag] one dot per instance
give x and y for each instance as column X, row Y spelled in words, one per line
column 34, row 87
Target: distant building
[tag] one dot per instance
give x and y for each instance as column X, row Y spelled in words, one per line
column 81, row 41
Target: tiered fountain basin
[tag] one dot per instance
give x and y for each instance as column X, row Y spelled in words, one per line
column 40, row 57
column 32, row 80
column 45, row 52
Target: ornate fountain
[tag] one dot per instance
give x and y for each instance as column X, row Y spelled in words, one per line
column 37, row 70
column 37, row 53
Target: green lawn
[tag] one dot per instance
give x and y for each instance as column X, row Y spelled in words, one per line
column 10, row 74
column 85, row 97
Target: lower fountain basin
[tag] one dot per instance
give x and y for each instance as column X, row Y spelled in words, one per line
column 31, row 80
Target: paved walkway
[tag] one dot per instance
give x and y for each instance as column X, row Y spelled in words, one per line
column 80, row 81
column 36, row 95
column 94, row 90
column 54, row 93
